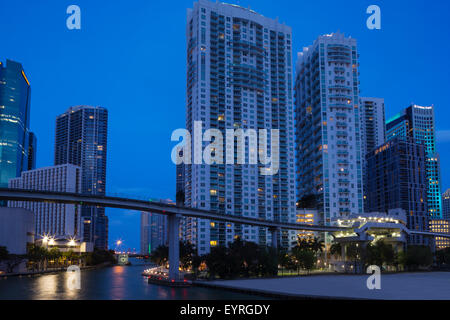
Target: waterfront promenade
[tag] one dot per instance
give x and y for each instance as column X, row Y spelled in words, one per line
column 399, row 286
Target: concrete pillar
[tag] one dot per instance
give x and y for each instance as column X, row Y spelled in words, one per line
column 275, row 232
column 174, row 246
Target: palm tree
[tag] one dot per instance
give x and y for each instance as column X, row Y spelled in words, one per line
column 336, row 249
column 160, row 255
column 317, row 245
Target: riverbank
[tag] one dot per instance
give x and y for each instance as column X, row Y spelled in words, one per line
column 394, row 286
column 109, row 283
column 51, row 271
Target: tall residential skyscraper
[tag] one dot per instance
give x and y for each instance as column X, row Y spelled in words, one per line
column 417, row 122
column 373, row 131
column 15, row 96
column 397, row 179
column 328, row 137
column 446, row 205
column 180, row 183
column 32, row 150
column 239, row 73
column 56, row 220
column 81, row 139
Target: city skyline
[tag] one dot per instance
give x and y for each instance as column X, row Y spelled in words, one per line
column 157, row 184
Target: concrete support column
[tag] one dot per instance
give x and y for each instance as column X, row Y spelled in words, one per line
column 275, row 232
column 174, row 246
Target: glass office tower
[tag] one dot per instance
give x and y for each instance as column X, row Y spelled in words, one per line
column 446, row 204
column 15, row 95
column 396, row 179
column 417, row 122
column 81, row 139
column 239, row 75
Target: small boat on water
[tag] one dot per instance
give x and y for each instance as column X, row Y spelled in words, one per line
column 158, row 275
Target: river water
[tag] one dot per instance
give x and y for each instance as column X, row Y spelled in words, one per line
column 110, row 283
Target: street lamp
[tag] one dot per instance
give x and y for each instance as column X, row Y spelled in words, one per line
column 71, row 243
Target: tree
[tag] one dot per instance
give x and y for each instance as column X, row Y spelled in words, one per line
column 317, row 245
column 307, row 259
column 54, row 254
column 268, row 261
column 283, row 259
column 336, row 249
column 37, row 255
column 13, row 261
column 187, row 252
column 218, row 262
column 3, row 253
column 160, row 256
column 354, row 253
column 443, row 257
column 242, row 259
column 418, row 256
column 387, row 253
column 196, row 262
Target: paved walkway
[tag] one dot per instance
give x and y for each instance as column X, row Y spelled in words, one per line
column 402, row 286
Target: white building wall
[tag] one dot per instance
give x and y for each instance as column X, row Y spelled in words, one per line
column 199, row 177
column 59, row 220
column 329, row 154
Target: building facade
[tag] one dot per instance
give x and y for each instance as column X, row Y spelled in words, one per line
column 373, row 129
column 306, row 216
column 15, row 97
column 446, row 204
column 32, row 151
column 441, row 226
column 239, row 71
column 417, row 122
column 16, row 229
column 397, row 179
column 81, row 140
column 153, row 231
column 328, row 136
column 52, row 219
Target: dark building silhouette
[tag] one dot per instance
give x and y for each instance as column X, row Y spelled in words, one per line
column 396, row 176
column 81, row 139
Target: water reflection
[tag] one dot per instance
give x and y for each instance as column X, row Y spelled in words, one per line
column 46, row 287
column 118, row 282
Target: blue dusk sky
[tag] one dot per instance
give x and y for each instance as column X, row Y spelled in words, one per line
column 129, row 57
